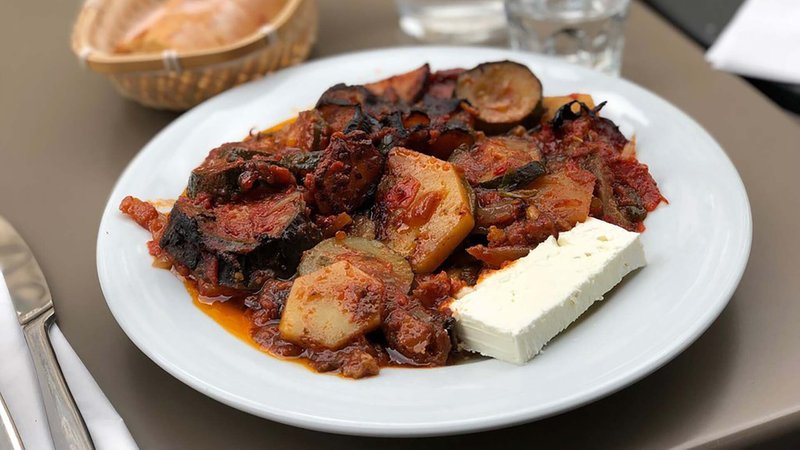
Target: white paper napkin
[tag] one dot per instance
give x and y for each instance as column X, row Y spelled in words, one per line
column 761, row 41
column 20, row 389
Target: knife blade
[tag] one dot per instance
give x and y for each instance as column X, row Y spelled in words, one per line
column 9, row 438
column 34, row 306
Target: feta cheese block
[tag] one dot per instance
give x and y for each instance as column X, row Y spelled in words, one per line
column 511, row 313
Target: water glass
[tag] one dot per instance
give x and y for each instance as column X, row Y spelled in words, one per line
column 453, row 21
column 586, row 32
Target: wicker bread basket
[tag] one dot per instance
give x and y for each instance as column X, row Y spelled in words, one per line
column 179, row 80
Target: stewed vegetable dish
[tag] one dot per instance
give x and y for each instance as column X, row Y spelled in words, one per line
column 343, row 235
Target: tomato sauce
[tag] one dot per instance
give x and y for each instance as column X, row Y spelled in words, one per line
column 230, row 314
column 233, row 315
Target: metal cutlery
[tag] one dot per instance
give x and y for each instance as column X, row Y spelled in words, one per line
column 34, row 305
column 9, row 437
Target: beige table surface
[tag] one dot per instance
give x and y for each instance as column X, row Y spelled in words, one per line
column 65, row 136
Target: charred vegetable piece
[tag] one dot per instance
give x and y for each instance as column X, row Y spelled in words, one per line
column 434, row 126
column 442, row 84
column 436, row 106
column 301, row 163
column 407, row 87
column 347, row 173
column 308, row 133
column 516, row 178
column 447, row 138
column 418, row 335
column 340, row 105
column 337, row 105
column 240, row 151
column 608, row 131
column 610, row 210
column 499, row 161
column 588, row 119
column 370, row 256
column 342, row 94
column 498, row 213
column 239, row 245
column 332, row 306
column 361, row 121
column 427, row 133
column 451, row 126
column 505, row 94
column 570, row 111
column 494, row 257
column 415, row 119
column 233, row 170
column 635, row 174
column 338, row 117
column 390, row 132
column 424, row 208
column 553, row 104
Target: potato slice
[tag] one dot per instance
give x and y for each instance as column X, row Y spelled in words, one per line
column 332, row 306
column 369, row 255
column 552, row 104
column 565, row 196
column 424, row 208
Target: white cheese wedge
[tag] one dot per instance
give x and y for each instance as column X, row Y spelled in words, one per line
column 511, row 313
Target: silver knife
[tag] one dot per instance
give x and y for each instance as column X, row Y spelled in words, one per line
column 31, row 298
column 9, row 439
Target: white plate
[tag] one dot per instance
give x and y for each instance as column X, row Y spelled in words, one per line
column 696, row 246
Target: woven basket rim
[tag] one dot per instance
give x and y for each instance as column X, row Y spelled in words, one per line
column 105, row 62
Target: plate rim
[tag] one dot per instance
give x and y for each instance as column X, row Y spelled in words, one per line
column 444, row 427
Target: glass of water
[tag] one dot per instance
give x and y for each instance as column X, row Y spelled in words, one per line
column 586, row 32
column 453, row 21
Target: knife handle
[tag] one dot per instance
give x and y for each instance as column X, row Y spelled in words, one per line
column 67, row 427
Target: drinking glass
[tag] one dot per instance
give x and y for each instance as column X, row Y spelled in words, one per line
column 453, row 21
column 587, row 32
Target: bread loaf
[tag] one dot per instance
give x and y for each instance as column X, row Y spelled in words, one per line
column 186, row 25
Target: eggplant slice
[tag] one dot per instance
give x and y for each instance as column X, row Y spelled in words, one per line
column 407, row 87
column 505, row 94
column 235, row 169
column 516, row 178
column 347, row 173
column 240, row 245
